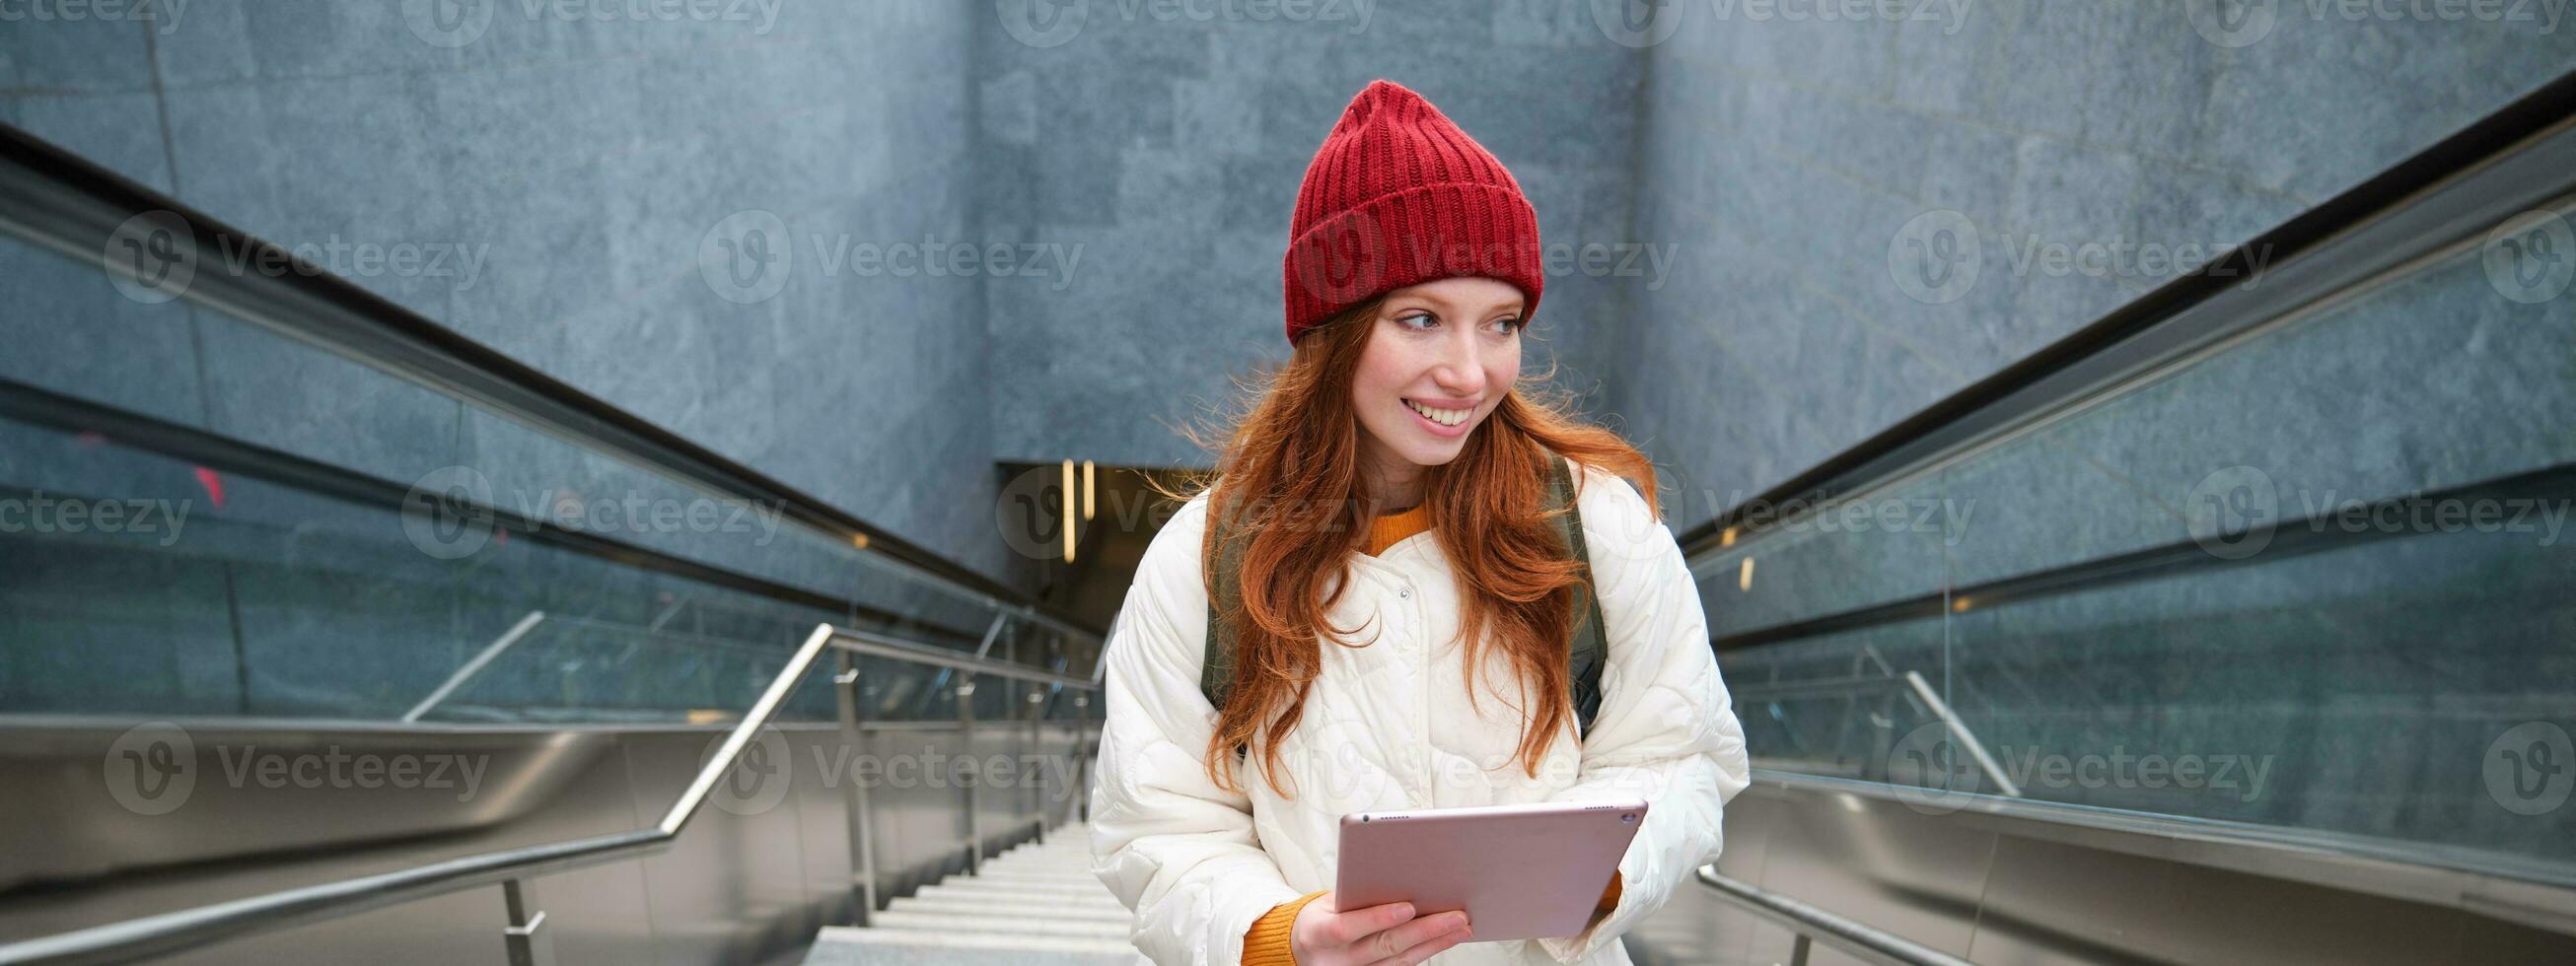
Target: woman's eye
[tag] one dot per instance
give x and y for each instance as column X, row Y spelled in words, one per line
column 1516, row 324
column 1416, row 317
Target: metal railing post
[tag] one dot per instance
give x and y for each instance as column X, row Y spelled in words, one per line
column 863, row 857
column 966, row 732
column 525, row 936
column 1036, row 746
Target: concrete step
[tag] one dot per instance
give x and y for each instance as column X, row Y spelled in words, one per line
column 841, row 946
column 1019, row 876
column 1034, row 905
column 968, row 891
column 988, row 923
column 1109, row 911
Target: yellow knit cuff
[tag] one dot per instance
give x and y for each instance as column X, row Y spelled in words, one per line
column 1609, row 898
column 1266, row 943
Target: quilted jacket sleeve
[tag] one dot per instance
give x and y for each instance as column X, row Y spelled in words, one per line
column 1176, row 850
column 1666, row 731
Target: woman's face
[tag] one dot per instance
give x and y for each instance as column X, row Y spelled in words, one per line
column 1451, row 346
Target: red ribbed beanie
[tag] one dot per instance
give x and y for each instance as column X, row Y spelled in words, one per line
column 1398, row 195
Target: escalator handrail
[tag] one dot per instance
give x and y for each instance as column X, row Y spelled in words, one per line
column 1873, row 945
column 170, row 932
column 2397, row 205
column 59, row 200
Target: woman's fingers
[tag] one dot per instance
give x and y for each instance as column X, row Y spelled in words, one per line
column 1418, row 938
column 1354, row 925
column 1427, row 946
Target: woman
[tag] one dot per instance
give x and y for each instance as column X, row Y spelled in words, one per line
column 1388, row 486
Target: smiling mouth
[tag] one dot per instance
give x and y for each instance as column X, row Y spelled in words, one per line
column 1446, row 417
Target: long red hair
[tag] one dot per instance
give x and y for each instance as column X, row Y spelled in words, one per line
column 1289, row 464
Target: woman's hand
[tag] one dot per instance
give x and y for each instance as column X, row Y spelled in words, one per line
column 1386, row 935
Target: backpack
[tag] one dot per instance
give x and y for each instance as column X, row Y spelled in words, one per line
column 1585, row 652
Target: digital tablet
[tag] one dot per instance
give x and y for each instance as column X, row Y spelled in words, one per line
column 1520, row 871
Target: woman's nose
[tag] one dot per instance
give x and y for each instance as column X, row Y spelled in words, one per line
column 1462, row 368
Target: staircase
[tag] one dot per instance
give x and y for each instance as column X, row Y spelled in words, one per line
column 1035, row 904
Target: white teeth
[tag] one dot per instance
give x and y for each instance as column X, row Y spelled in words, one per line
column 1445, row 417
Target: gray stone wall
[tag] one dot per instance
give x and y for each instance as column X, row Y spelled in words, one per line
column 1165, row 142
column 1797, row 165
column 572, row 168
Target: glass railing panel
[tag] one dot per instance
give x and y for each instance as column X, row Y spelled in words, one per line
column 2309, row 578
column 336, row 540
column 1833, row 557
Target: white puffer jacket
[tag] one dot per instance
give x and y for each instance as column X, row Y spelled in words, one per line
column 1388, row 726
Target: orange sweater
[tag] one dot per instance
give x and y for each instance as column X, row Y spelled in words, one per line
column 1266, row 943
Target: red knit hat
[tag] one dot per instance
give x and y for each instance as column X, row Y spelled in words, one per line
column 1398, row 195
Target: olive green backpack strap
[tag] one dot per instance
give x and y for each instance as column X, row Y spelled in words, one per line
column 1585, row 651
column 1216, row 671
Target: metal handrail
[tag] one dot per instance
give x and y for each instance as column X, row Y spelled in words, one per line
column 1810, row 923
column 1913, row 685
column 164, row 933
column 476, row 666
column 58, row 200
